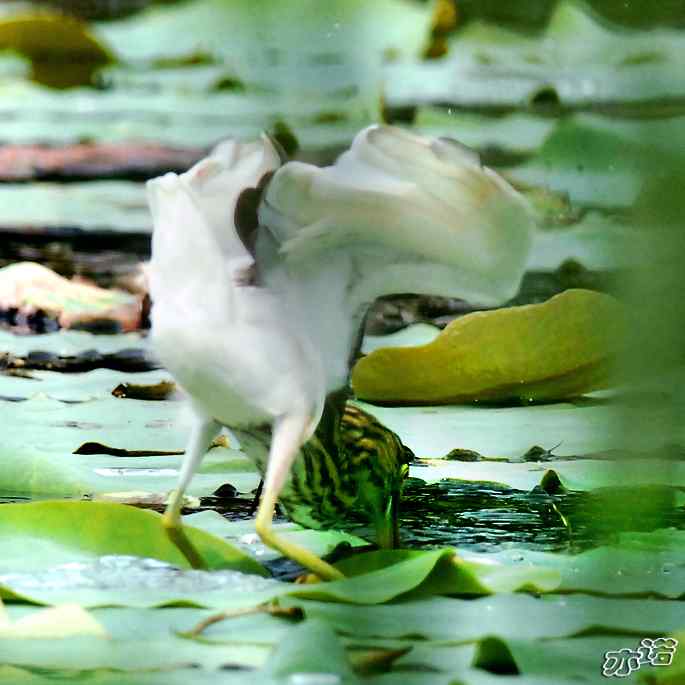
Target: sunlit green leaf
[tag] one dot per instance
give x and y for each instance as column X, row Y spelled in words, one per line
column 60, row 529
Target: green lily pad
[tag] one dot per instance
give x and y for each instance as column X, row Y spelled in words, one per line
column 311, row 647
column 596, row 242
column 302, row 34
column 585, row 474
column 67, row 568
column 96, row 205
column 53, row 426
column 11, row 675
column 509, row 432
column 39, row 473
column 513, row 134
column 74, row 387
column 145, row 640
column 674, row 673
column 58, row 529
column 379, row 577
column 578, row 62
column 625, row 569
column 40, row 458
column 195, row 119
column 602, row 163
column 242, row 534
column 69, row 343
column 459, row 620
column 580, row 658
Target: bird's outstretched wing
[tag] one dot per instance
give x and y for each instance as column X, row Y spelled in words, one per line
column 409, row 214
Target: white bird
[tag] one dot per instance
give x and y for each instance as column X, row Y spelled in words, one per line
column 260, row 283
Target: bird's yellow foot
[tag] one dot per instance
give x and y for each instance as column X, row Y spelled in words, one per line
column 173, row 527
column 298, row 554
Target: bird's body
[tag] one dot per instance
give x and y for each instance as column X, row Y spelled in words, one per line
column 261, row 277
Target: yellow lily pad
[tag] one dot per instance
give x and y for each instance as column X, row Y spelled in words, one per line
column 561, row 348
column 64, row 621
column 62, row 50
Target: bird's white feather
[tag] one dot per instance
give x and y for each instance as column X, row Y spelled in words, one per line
column 235, row 348
column 417, row 214
column 396, row 213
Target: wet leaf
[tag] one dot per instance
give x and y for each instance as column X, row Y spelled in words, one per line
column 87, row 529
column 241, row 533
column 41, row 473
column 531, row 353
column 378, row 577
column 639, row 564
column 67, row 567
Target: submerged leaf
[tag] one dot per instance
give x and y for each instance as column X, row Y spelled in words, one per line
column 561, row 348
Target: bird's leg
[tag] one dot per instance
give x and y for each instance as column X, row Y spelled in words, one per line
column 285, row 444
column 201, row 436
